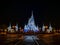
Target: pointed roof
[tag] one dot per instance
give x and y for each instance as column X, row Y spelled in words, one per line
column 9, row 24
column 43, row 24
column 31, row 18
column 32, row 14
column 49, row 25
column 17, row 24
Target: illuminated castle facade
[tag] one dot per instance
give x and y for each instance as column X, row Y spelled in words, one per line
column 10, row 28
column 31, row 25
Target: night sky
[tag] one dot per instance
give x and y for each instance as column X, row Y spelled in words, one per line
column 16, row 12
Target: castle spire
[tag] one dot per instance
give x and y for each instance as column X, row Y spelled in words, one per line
column 9, row 28
column 16, row 27
column 50, row 27
column 31, row 24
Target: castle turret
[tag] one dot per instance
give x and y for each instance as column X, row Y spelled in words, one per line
column 50, row 27
column 43, row 28
column 31, row 25
column 9, row 28
column 16, row 27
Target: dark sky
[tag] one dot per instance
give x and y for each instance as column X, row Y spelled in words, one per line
column 16, row 12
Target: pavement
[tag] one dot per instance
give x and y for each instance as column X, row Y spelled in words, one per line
column 31, row 40
column 42, row 39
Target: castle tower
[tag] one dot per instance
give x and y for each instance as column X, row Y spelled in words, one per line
column 16, row 27
column 43, row 28
column 50, row 27
column 31, row 25
column 9, row 28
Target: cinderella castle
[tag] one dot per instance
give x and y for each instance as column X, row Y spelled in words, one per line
column 31, row 25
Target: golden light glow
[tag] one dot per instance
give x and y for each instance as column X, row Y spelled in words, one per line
column 12, row 30
column 5, row 30
column 20, row 28
column 46, row 26
column 13, row 26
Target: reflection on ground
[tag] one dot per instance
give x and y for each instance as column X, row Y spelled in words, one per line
column 30, row 40
column 40, row 39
